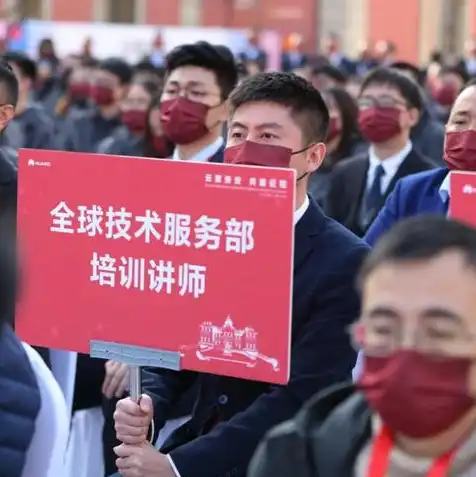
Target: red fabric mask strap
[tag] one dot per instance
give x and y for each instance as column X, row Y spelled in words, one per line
column 382, row 448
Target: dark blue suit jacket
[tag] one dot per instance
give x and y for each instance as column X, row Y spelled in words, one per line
column 417, row 194
column 325, row 303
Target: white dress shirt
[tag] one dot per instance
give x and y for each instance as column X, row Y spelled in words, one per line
column 444, row 190
column 390, row 166
column 301, row 210
column 205, row 154
column 47, row 451
column 298, row 214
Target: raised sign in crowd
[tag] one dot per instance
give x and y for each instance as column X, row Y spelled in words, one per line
column 208, row 269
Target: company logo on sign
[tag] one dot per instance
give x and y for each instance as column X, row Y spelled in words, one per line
column 468, row 189
column 33, row 163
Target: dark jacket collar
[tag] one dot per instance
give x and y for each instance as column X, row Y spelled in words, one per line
column 306, row 229
column 339, row 414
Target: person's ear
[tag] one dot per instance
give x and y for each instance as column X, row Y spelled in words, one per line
column 7, row 112
column 414, row 116
column 315, row 156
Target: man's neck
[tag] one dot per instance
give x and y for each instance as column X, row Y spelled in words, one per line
column 187, row 151
column 109, row 112
column 384, row 150
column 442, row 443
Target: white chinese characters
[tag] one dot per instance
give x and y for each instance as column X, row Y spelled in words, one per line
column 172, row 229
column 159, row 276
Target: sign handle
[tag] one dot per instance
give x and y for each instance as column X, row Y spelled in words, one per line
column 135, row 382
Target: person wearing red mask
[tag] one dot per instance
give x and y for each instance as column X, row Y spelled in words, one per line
column 389, row 107
column 128, row 139
column 428, row 192
column 199, row 78
column 412, row 412
column 84, row 131
column 445, row 88
column 276, row 120
column 343, row 139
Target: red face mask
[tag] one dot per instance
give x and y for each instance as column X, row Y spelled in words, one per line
column 444, row 94
column 379, row 124
column 334, row 130
column 256, row 154
column 101, row 95
column 79, row 90
column 416, row 395
column 460, row 150
column 183, row 121
column 161, row 146
column 135, row 120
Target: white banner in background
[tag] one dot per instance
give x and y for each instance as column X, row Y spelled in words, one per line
column 131, row 42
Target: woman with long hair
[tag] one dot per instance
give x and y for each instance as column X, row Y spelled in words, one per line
column 141, row 133
column 343, row 139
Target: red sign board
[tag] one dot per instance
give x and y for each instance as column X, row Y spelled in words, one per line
column 193, row 258
column 463, row 197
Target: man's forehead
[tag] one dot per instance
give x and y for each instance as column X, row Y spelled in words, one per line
column 191, row 74
column 258, row 112
column 381, row 89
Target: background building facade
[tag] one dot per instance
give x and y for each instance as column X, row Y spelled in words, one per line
column 416, row 26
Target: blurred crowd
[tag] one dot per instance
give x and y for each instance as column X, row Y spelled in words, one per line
column 386, row 157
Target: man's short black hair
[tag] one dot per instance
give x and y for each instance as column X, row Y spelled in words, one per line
column 216, row 58
column 393, row 78
column 9, row 84
column 457, row 70
column 332, row 72
column 406, row 67
column 23, row 62
column 119, row 68
column 419, row 239
column 287, row 89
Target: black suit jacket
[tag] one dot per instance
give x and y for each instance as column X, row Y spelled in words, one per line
column 326, row 259
column 348, row 182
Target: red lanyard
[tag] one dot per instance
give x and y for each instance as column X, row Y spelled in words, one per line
column 380, row 457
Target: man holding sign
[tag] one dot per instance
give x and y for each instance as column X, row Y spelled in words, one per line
column 276, row 120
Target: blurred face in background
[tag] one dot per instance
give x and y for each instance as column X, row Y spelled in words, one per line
column 134, row 108
column 192, row 105
column 45, row 71
column 79, row 84
column 384, row 114
column 445, row 88
column 106, row 89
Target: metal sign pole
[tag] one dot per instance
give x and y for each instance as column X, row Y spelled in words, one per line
column 135, row 382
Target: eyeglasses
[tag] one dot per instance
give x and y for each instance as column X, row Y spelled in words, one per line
column 366, row 102
column 192, row 93
column 433, row 337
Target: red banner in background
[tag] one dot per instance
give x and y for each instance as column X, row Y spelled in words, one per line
column 463, row 197
column 188, row 257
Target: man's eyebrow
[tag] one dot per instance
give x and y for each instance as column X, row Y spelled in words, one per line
column 381, row 311
column 237, row 124
column 188, row 83
column 442, row 313
column 464, row 112
column 269, row 126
